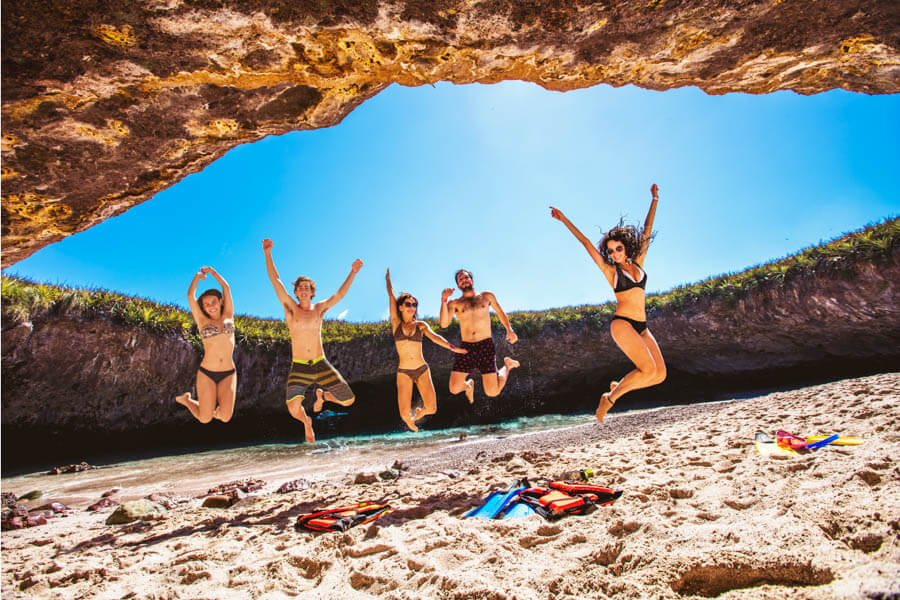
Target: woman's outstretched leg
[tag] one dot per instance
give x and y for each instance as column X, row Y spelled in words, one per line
column 404, row 400
column 429, row 397
column 636, row 349
column 203, row 407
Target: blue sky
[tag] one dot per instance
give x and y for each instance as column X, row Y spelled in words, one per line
column 427, row 180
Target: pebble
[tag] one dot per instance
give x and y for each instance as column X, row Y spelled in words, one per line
column 365, row 478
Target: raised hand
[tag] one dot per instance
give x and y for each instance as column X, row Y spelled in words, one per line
column 557, row 214
column 387, row 275
column 654, row 189
column 446, row 294
column 267, row 244
column 357, row 265
column 201, row 274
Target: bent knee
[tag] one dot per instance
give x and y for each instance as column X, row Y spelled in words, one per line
column 205, row 418
column 225, row 417
column 660, row 375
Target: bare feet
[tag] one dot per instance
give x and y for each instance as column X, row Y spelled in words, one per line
column 603, row 407
column 470, row 390
column 613, row 385
column 510, row 364
column 183, row 399
column 411, row 424
column 320, row 400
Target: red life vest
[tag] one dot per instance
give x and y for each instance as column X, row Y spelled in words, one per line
column 562, row 498
column 342, row 518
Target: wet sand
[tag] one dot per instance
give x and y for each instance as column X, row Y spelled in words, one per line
column 702, row 515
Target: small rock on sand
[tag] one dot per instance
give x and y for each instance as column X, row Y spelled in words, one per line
column 135, row 510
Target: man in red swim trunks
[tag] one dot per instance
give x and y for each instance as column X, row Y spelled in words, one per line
column 473, row 311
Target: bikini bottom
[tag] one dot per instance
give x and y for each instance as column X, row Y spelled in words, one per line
column 216, row 376
column 414, row 374
column 639, row 326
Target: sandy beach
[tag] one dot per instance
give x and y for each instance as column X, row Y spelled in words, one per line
column 702, row 515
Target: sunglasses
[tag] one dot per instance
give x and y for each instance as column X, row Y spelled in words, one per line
column 616, row 249
column 411, row 304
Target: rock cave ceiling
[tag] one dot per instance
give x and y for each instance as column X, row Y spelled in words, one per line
column 107, row 102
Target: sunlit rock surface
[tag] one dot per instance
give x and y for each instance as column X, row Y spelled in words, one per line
column 107, row 102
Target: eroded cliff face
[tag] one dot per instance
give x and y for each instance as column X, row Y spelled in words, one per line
column 105, row 103
column 95, row 385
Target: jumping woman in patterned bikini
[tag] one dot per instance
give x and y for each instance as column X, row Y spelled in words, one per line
column 217, row 378
column 620, row 255
column 412, row 368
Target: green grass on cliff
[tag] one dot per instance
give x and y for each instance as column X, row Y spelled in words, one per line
column 24, row 300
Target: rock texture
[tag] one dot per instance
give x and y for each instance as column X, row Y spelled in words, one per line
column 115, row 388
column 105, row 103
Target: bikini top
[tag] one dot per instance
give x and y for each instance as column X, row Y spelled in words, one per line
column 624, row 282
column 400, row 335
column 210, row 330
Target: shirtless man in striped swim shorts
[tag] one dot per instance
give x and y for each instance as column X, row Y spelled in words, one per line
column 309, row 366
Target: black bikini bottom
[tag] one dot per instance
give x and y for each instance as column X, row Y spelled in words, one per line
column 639, row 326
column 216, row 376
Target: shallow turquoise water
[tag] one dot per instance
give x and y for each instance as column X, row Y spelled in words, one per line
column 195, row 472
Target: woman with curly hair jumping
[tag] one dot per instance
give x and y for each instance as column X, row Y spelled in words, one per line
column 620, row 255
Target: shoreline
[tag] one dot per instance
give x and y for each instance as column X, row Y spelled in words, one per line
column 702, row 514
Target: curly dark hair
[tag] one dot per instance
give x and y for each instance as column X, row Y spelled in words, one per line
column 628, row 235
column 215, row 294
column 401, row 299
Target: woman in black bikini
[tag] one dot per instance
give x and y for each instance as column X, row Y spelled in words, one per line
column 216, row 379
column 413, row 369
column 620, row 255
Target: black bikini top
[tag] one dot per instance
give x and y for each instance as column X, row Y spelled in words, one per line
column 624, row 282
column 400, row 335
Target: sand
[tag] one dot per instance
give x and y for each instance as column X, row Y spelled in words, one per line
column 702, row 515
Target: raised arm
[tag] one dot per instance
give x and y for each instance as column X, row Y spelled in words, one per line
column 280, row 290
column 588, row 245
column 228, row 303
column 439, row 339
column 446, row 317
column 510, row 334
column 392, row 299
column 192, row 297
column 345, row 287
column 648, row 226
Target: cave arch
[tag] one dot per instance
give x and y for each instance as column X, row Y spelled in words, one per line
column 106, row 103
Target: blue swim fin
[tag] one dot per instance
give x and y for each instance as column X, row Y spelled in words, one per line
column 495, row 503
column 821, row 443
column 518, row 509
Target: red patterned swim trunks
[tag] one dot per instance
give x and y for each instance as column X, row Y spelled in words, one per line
column 481, row 356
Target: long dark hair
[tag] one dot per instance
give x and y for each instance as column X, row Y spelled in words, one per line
column 214, row 293
column 400, row 300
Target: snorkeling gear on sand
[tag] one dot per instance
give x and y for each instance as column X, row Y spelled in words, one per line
column 563, row 498
column 494, row 504
column 342, row 518
column 559, row 499
column 788, row 444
